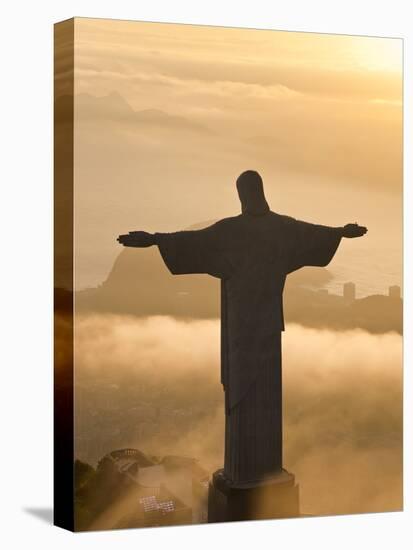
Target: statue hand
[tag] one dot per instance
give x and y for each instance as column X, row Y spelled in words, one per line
column 138, row 239
column 352, row 230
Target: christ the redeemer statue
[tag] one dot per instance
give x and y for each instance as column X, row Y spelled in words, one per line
column 252, row 254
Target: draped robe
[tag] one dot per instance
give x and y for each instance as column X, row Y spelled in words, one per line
column 252, row 255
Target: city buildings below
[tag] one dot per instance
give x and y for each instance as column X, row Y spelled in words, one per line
column 349, row 292
column 162, row 508
column 395, row 292
column 136, row 490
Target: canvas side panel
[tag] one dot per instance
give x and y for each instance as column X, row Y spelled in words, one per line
column 63, row 274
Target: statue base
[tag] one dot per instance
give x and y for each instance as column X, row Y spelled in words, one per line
column 274, row 497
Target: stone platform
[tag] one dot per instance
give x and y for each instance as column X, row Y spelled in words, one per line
column 274, row 497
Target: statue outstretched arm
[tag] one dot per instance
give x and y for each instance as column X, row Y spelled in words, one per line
column 353, row 230
column 185, row 252
column 143, row 239
column 137, row 239
column 311, row 244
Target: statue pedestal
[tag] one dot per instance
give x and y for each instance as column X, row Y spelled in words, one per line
column 276, row 497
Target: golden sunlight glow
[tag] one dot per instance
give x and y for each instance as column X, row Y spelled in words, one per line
column 379, row 54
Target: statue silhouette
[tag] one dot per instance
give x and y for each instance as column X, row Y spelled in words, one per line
column 252, row 254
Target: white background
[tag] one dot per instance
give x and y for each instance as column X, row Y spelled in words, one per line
column 26, row 272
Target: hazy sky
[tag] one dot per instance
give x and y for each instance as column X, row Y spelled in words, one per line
column 167, row 116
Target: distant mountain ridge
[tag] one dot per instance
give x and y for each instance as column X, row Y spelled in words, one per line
column 140, row 284
column 115, row 108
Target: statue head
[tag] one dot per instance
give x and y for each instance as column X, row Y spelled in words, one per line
column 251, row 193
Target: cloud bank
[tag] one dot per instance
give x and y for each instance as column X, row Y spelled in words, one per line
column 154, row 384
